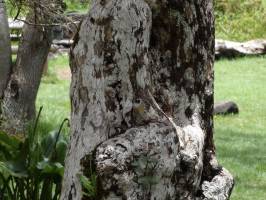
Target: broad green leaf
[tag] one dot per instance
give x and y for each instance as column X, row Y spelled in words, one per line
column 90, row 185
column 49, row 168
column 10, row 141
column 48, row 143
column 13, row 169
column 61, row 149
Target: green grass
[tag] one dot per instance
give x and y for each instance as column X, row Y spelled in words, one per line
column 53, row 95
column 240, row 139
column 78, row 5
column 240, row 20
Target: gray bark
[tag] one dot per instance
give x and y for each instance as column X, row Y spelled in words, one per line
column 5, row 49
column 142, row 103
column 18, row 105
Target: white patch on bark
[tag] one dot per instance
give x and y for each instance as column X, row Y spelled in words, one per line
column 219, row 188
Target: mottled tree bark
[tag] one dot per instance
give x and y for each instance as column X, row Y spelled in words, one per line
column 5, row 49
column 142, row 102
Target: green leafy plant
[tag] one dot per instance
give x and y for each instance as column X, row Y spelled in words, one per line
column 89, row 185
column 88, row 178
column 78, row 5
column 33, row 168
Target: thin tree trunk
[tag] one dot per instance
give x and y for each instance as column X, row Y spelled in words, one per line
column 142, row 102
column 5, row 49
column 18, row 106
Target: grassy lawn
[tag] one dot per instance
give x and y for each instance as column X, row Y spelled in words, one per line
column 54, row 96
column 240, row 20
column 240, row 139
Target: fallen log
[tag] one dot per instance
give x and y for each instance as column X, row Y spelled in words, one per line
column 54, row 49
column 231, row 49
column 15, row 37
column 65, row 43
column 225, row 108
column 15, row 24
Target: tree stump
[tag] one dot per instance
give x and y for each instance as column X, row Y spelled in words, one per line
column 142, row 103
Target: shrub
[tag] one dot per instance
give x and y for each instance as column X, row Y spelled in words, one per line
column 78, row 5
column 32, row 168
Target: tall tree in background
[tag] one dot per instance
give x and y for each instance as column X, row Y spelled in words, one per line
column 19, row 93
column 142, row 103
column 5, row 49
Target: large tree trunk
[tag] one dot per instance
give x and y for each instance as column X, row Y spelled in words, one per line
column 18, row 105
column 142, row 102
column 5, row 49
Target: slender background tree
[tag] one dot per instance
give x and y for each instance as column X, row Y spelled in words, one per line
column 19, row 86
column 5, row 49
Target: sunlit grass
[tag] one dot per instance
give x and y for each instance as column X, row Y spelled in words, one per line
column 240, row 20
column 54, row 96
column 241, row 139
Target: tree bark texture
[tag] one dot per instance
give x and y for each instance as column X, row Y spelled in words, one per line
column 5, row 49
column 142, row 103
column 18, row 105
